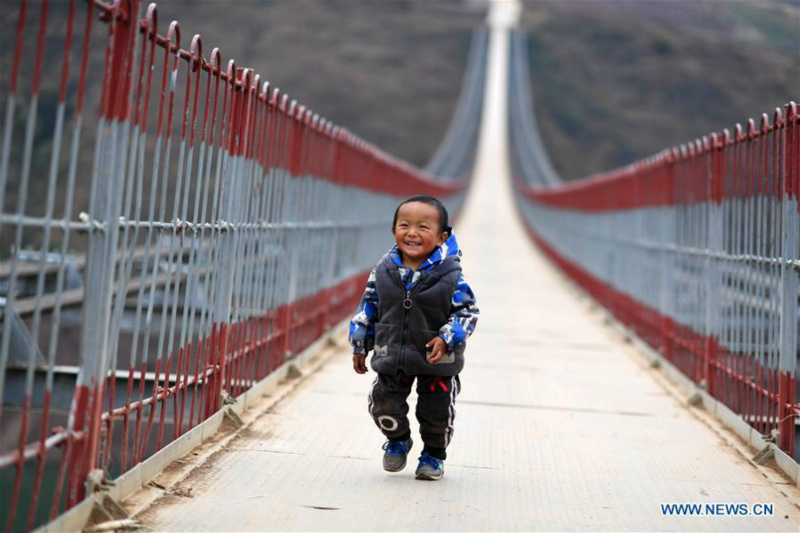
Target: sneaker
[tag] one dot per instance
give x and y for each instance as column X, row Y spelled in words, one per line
column 430, row 467
column 394, row 460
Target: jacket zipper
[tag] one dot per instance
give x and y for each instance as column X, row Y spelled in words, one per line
column 407, row 304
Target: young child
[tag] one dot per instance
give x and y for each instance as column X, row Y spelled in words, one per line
column 416, row 314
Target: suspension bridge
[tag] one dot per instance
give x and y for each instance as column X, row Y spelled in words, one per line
column 179, row 254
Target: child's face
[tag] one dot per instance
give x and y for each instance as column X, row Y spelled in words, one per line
column 417, row 231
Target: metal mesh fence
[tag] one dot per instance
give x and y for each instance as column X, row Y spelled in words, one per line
column 172, row 227
column 696, row 250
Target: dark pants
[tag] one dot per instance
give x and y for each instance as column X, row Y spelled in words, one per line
column 436, row 409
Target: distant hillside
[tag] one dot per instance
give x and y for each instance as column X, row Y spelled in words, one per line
column 619, row 80
column 613, row 81
column 390, row 71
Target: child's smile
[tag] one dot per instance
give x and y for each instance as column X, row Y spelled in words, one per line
column 417, row 233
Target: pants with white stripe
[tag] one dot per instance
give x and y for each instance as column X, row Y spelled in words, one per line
column 436, row 409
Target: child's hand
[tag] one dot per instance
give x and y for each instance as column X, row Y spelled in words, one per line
column 360, row 363
column 438, row 348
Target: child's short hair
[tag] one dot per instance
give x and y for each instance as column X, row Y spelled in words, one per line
column 430, row 200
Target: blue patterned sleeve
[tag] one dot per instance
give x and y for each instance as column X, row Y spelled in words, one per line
column 362, row 326
column 463, row 316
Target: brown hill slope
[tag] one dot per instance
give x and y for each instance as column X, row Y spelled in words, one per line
column 390, row 70
column 613, row 80
column 616, row 81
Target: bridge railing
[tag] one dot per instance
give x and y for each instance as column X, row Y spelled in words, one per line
column 696, row 250
column 172, row 227
column 455, row 156
column 529, row 156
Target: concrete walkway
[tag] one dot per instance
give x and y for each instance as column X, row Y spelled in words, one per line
column 559, row 427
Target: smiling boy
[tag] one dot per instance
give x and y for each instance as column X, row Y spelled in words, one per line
column 416, row 314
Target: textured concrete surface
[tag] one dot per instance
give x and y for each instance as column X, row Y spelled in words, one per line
column 558, row 426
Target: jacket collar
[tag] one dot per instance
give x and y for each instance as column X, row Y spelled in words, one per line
column 440, row 253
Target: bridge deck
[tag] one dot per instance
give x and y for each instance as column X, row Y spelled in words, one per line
column 560, row 425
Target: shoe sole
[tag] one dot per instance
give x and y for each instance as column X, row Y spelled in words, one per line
column 429, row 477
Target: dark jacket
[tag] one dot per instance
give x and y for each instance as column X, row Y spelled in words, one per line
column 407, row 320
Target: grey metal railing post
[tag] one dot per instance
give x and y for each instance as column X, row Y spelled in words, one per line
column 228, row 206
column 713, row 266
column 787, row 363
column 104, row 210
